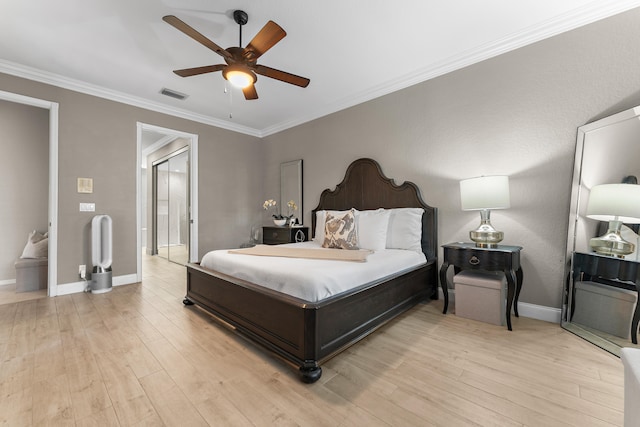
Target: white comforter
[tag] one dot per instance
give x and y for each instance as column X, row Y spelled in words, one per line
column 310, row 279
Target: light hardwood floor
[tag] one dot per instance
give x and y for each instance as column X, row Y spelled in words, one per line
column 137, row 356
column 8, row 294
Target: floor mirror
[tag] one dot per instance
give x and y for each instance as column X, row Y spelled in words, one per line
column 601, row 293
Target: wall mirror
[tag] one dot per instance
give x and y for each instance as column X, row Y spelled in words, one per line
column 601, row 292
column 291, row 188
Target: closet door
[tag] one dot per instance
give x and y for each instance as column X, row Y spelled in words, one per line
column 179, row 208
column 161, row 175
column 171, row 177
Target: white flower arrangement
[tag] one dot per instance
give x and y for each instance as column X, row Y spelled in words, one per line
column 272, row 204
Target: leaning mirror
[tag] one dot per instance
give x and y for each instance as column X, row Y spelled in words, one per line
column 291, row 189
column 601, row 293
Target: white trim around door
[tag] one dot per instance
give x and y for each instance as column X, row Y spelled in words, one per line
column 193, row 190
column 52, row 289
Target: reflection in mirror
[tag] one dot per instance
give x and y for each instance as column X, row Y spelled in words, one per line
column 291, row 189
column 600, row 299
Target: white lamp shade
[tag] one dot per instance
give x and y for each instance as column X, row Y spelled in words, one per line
column 610, row 202
column 485, row 192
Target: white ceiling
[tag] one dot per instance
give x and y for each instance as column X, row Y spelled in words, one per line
column 352, row 51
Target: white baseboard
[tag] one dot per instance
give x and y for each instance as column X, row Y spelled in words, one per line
column 540, row 312
column 8, row 282
column 81, row 286
column 533, row 311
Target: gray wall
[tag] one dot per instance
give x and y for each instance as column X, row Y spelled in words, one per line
column 24, row 179
column 515, row 114
column 97, row 139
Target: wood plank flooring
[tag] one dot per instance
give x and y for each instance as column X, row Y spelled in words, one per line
column 8, row 294
column 137, row 357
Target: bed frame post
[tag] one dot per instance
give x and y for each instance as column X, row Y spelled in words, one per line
column 310, row 371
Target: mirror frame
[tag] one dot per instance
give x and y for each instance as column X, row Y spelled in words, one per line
column 291, row 171
column 583, row 132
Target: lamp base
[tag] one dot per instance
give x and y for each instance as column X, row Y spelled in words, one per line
column 612, row 243
column 485, row 236
column 486, row 239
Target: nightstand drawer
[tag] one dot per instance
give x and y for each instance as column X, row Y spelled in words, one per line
column 481, row 260
column 279, row 235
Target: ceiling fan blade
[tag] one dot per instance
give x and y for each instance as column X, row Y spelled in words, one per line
column 266, row 38
column 188, row 72
column 282, row 76
column 250, row 92
column 186, row 29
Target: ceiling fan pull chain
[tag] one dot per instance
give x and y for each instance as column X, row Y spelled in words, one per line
column 230, row 101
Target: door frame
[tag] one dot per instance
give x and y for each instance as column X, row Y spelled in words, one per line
column 52, row 288
column 193, row 189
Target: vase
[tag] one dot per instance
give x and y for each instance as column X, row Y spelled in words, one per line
column 279, row 222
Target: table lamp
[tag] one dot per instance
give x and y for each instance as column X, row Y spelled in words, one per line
column 483, row 194
column 617, row 204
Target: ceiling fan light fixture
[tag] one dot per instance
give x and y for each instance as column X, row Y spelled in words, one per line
column 239, row 77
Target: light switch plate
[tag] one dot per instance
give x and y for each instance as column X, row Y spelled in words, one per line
column 87, row 207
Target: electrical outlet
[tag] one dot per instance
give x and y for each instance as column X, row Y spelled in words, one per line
column 82, row 270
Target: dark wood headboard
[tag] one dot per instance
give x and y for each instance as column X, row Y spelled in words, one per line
column 365, row 187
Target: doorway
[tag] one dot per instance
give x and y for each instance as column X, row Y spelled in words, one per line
column 52, row 274
column 154, row 145
column 171, row 207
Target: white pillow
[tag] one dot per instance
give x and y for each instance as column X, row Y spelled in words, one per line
column 372, row 229
column 37, row 245
column 320, row 216
column 405, row 229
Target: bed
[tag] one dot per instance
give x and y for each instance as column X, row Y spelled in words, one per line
column 305, row 333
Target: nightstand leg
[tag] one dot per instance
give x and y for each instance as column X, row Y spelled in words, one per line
column 518, row 289
column 443, row 284
column 511, row 287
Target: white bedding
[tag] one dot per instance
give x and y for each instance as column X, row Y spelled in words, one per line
column 310, row 279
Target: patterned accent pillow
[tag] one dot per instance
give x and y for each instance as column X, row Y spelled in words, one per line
column 340, row 231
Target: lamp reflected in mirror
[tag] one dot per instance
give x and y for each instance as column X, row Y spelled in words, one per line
column 617, row 204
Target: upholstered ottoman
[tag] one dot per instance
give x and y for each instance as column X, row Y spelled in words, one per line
column 480, row 295
column 32, row 274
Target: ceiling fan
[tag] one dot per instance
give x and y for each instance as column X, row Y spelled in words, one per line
column 241, row 66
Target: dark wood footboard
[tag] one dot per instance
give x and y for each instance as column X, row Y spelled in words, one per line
column 306, row 334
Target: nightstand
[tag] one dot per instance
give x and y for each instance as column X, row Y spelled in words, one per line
column 279, row 235
column 467, row 256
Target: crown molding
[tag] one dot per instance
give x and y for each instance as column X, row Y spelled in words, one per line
column 590, row 13
column 40, row 76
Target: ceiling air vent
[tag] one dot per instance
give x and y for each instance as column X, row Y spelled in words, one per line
column 174, row 94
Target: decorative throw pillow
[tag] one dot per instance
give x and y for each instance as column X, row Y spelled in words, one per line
column 340, row 232
column 37, row 246
column 318, row 234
